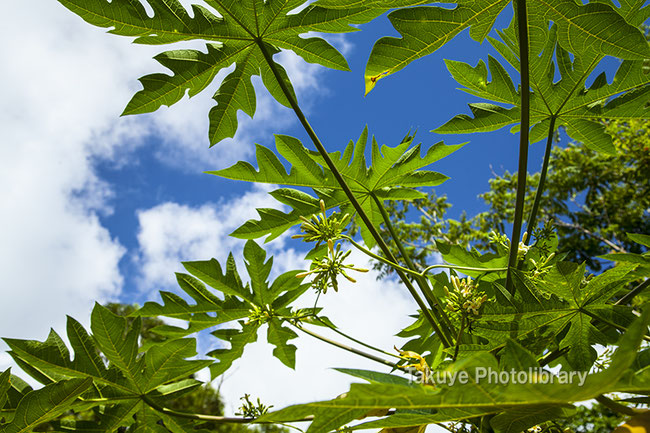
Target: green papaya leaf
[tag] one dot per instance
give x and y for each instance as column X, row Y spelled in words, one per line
column 5, row 385
column 118, row 342
column 279, row 336
column 45, row 404
column 238, row 339
column 424, row 29
column 260, row 300
column 471, row 395
column 567, row 100
column 459, row 256
column 246, row 33
column 120, row 385
column 595, row 28
column 394, row 173
column 521, row 419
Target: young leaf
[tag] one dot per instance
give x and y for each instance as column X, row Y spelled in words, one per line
column 279, row 336
column 260, row 301
column 238, row 339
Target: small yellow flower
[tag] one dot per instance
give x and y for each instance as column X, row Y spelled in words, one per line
column 463, row 296
column 421, row 364
column 329, row 267
column 321, row 228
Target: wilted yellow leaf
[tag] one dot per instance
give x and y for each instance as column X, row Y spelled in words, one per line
column 637, row 424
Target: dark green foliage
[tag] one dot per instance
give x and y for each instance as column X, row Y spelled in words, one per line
column 593, row 419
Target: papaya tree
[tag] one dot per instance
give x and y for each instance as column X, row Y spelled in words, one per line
column 484, row 332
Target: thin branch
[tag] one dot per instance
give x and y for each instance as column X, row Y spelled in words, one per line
column 592, row 234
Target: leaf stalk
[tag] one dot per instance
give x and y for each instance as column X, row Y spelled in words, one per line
column 349, row 348
column 522, row 27
column 339, row 178
column 434, row 303
column 532, row 219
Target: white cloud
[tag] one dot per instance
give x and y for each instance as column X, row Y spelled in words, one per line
column 170, row 233
column 64, row 87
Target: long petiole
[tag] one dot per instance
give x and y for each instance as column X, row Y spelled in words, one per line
column 415, row 273
column 349, row 348
column 434, row 303
column 460, row 335
column 522, row 20
column 348, row 192
column 203, row 417
column 462, row 268
column 343, row 334
column 532, row 219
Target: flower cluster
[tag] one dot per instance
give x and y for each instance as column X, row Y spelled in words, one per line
column 260, row 315
column 329, row 267
column 321, row 228
column 249, row 410
column 503, row 241
column 522, row 248
column 541, row 268
column 464, row 297
column 420, row 363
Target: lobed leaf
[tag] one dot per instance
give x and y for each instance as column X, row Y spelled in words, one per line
column 475, row 395
column 393, row 174
column 45, row 404
column 245, row 33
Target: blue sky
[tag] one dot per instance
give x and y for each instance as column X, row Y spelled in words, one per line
column 98, row 207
